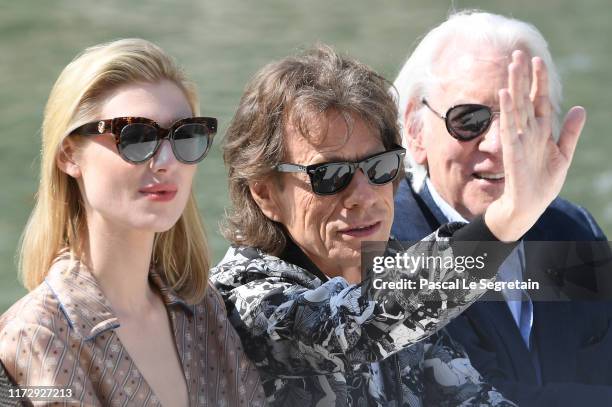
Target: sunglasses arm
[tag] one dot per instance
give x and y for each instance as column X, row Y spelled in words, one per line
column 94, row 128
column 286, row 167
column 432, row 109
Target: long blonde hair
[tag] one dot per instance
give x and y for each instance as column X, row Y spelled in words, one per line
column 58, row 219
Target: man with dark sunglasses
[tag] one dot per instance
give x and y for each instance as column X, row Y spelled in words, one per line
column 538, row 353
column 313, row 161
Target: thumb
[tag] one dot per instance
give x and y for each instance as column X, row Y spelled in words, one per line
column 571, row 130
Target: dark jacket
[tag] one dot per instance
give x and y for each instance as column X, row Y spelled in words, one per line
column 572, row 338
column 315, row 339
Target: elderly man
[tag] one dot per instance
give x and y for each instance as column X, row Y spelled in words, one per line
column 313, row 162
column 536, row 353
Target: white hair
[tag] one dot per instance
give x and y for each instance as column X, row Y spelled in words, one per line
column 416, row 77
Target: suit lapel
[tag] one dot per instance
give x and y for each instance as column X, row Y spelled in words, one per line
column 553, row 338
column 429, row 208
column 414, row 219
column 509, row 336
column 550, row 334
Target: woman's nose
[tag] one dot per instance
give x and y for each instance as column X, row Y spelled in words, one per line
column 163, row 157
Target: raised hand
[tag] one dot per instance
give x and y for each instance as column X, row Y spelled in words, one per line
column 535, row 165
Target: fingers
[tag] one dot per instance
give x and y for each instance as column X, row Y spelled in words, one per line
column 515, row 86
column 539, row 89
column 518, row 84
column 521, row 58
column 527, row 67
column 571, row 130
column 507, row 126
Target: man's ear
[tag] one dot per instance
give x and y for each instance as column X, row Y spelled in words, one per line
column 66, row 158
column 413, row 131
column 263, row 194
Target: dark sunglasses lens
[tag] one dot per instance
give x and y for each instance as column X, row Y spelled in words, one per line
column 330, row 178
column 191, row 142
column 138, row 141
column 468, row 121
column 383, row 169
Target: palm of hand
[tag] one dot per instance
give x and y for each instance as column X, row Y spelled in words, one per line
column 535, row 165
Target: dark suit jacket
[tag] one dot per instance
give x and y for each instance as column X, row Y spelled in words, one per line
column 573, row 338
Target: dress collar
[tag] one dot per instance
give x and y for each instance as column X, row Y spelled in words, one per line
column 82, row 301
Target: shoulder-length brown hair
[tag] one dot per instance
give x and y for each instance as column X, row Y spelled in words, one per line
column 58, row 219
column 293, row 91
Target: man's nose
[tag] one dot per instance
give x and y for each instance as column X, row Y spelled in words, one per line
column 360, row 192
column 490, row 141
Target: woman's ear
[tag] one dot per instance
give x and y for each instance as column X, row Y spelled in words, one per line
column 413, row 131
column 66, row 160
column 263, row 193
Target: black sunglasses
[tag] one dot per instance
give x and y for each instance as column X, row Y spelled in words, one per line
column 138, row 138
column 331, row 178
column 467, row 121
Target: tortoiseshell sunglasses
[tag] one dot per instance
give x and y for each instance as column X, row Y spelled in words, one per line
column 138, row 138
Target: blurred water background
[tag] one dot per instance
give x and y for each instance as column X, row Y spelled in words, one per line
column 222, row 43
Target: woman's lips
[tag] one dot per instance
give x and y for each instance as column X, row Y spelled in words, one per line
column 159, row 192
column 361, row 230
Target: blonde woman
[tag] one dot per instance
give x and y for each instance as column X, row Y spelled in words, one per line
column 114, row 252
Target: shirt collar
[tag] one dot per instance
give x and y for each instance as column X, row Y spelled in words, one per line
column 294, row 255
column 83, row 303
column 451, row 213
column 512, row 268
